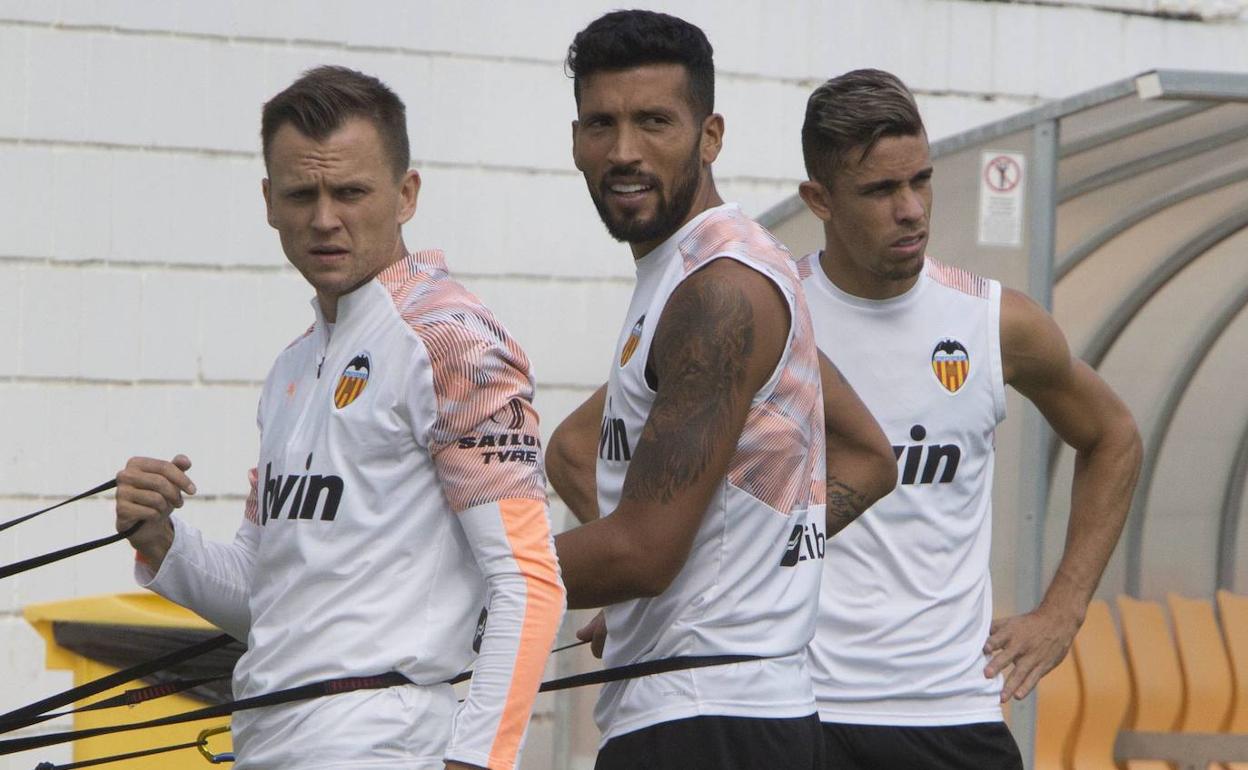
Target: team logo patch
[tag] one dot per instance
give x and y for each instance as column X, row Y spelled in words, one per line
column 511, row 415
column 951, row 364
column 634, row 338
column 352, row 380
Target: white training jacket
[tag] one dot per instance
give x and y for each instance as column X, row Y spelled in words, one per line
column 397, row 522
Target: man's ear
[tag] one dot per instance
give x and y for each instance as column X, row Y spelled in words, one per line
column 267, row 192
column 576, row 126
column 712, row 139
column 816, row 198
column 409, row 191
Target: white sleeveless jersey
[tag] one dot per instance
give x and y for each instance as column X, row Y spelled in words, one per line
column 399, row 495
column 907, row 596
column 750, row 584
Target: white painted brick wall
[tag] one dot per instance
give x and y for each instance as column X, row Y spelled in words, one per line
column 168, row 312
column 26, row 199
column 11, row 278
column 145, row 295
column 108, row 324
column 13, row 79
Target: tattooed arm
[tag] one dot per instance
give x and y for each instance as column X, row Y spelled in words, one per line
column 861, row 466
column 718, row 341
column 571, row 457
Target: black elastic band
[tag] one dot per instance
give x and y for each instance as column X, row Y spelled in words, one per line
column 107, row 485
column 303, row 692
column 39, row 712
column 464, row 676
column 18, row 717
column 127, row 698
column 351, row 684
column 16, row 567
column 644, row 668
column 116, row 757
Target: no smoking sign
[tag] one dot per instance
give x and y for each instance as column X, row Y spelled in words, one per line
column 1001, row 198
column 1003, row 173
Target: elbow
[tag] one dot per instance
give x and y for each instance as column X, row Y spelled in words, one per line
column 649, row 568
column 651, row 583
column 560, row 460
column 858, row 478
column 556, row 455
column 1135, row 443
column 883, row 478
column 1132, row 451
column 649, row 571
column 883, row 468
column 1119, row 443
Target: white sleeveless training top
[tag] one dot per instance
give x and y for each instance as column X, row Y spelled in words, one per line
column 750, row 585
column 907, row 596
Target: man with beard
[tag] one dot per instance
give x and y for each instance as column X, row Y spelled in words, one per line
column 908, row 661
column 710, row 457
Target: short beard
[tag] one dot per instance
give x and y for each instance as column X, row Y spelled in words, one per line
column 905, row 274
column 670, row 214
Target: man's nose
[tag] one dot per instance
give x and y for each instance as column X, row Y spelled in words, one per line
column 625, row 150
column 325, row 215
column 909, row 206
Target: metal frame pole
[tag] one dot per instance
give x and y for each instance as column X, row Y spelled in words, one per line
column 1033, row 502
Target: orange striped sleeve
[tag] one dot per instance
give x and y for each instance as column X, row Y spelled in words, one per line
column 528, row 532
column 484, row 437
column 512, row 543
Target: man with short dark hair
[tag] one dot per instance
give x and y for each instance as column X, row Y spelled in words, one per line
column 397, row 518
column 907, row 659
column 704, row 452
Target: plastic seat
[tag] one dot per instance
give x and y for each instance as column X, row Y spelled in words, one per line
column 1233, row 609
column 1058, row 705
column 1206, row 669
column 1156, row 676
column 1106, row 691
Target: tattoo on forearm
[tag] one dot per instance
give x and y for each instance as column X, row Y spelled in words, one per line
column 701, row 363
column 844, row 503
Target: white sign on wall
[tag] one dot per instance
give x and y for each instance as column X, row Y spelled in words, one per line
column 1001, row 198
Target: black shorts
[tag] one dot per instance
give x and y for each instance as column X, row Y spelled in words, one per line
column 718, row 743
column 981, row 746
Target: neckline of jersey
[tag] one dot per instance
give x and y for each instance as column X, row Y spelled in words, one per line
column 902, row 300
column 658, row 255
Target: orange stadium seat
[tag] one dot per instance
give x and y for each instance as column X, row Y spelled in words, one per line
column 1233, row 609
column 1058, row 704
column 1206, row 670
column 1106, row 691
column 1156, row 676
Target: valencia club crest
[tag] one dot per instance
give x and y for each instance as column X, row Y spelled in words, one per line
column 352, row 380
column 630, row 345
column 951, row 364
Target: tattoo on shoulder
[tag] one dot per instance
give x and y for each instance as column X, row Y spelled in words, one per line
column 844, row 502
column 701, row 355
